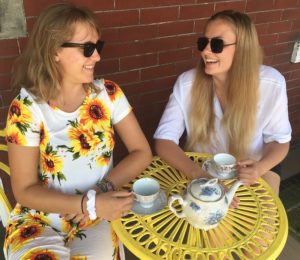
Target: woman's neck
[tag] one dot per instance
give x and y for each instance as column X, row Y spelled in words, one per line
column 220, row 82
column 70, row 98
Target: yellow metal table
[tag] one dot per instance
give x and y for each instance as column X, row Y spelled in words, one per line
column 257, row 229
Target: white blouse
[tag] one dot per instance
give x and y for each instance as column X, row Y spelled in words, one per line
column 272, row 118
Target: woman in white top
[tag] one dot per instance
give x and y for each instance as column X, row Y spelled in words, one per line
column 229, row 103
column 60, row 134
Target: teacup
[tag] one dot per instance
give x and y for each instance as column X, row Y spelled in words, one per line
column 224, row 163
column 146, row 191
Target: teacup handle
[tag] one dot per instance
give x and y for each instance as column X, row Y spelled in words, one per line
column 180, row 201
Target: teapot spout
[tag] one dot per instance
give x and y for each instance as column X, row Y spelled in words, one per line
column 232, row 191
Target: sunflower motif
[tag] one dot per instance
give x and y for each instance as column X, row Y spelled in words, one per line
column 78, row 257
column 89, row 223
column 30, row 231
column 75, row 232
column 109, row 138
column 44, row 137
column 114, row 238
column 104, row 159
column 44, row 179
column 67, row 225
column 94, row 113
column 19, row 113
column 17, row 209
column 113, row 90
column 13, row 134
column 82, row 140
column 115, row 242
column 12, row 232
column 24, row 234
column 8, row 239
column 40, row 254
column 38, row 217
column 52, row 164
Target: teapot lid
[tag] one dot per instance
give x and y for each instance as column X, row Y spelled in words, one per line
column 206, row 189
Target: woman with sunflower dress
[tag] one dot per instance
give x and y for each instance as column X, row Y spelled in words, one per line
column 60, row 134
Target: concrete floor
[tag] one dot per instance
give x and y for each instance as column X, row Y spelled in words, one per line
column 291, row 250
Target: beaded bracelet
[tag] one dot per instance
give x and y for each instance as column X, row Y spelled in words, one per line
column 90, row 204
column 105, row 185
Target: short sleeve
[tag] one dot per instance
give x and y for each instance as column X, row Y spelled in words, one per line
column 278, row 127
column 120, row 105
column 172, row 122
column 22, row 125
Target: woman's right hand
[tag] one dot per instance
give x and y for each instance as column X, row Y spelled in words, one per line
column 113, row 204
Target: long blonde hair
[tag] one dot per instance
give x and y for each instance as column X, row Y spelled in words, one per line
column 36, row 69
column 242, row 92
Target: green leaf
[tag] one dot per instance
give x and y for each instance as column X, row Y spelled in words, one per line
column 27, row 102
column 76, row 156
column 100, row 135
column 48, row 148
column 73, row 123
column 22, row 127
column 61, row 176
column 69, row 149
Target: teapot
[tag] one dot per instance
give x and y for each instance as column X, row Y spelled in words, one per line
column 205, row 202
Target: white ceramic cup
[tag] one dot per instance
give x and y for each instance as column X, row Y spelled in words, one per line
column 146, row 190
column 224, row 163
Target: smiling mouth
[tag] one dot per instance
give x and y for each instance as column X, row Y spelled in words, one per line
column 210, row 61
column 90, row 68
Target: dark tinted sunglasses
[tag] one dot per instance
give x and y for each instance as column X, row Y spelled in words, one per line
column 88, row 48
column 216, row 44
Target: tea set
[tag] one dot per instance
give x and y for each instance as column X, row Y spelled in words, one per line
column 205, row 202
column 149, row 198
column 221, row 166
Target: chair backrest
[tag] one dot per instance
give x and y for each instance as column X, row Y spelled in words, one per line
column 5, row 206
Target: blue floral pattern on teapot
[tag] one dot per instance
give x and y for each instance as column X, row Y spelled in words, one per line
column 204, row 203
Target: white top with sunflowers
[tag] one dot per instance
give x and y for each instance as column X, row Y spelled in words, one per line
column 75, row 148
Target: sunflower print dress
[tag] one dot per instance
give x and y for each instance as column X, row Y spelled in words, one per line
column 75, row 152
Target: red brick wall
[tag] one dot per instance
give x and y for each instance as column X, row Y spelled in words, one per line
column 150, row 42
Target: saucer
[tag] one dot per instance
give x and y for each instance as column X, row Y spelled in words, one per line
column 210, row 169
column 158, row 205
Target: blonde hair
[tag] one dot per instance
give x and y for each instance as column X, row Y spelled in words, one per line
column 242, row 92
column 36, row 69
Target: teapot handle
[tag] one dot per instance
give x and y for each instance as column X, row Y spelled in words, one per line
column 180, row 201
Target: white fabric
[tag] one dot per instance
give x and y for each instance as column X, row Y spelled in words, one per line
column 76, row 150
column 90, row 204
column 272, row 118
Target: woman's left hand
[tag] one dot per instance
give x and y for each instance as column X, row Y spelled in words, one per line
column 248, row 171
column 76, row 218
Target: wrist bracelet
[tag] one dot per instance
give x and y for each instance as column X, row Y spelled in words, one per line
column 90, row 204
column 105, row 185
column 83, row 196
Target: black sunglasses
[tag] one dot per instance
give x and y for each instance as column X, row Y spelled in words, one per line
column 88, row 48
column 216, row 44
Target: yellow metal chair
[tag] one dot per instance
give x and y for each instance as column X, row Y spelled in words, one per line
column 5, row 207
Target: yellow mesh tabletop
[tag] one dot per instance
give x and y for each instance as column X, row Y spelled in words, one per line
column 257, row 229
